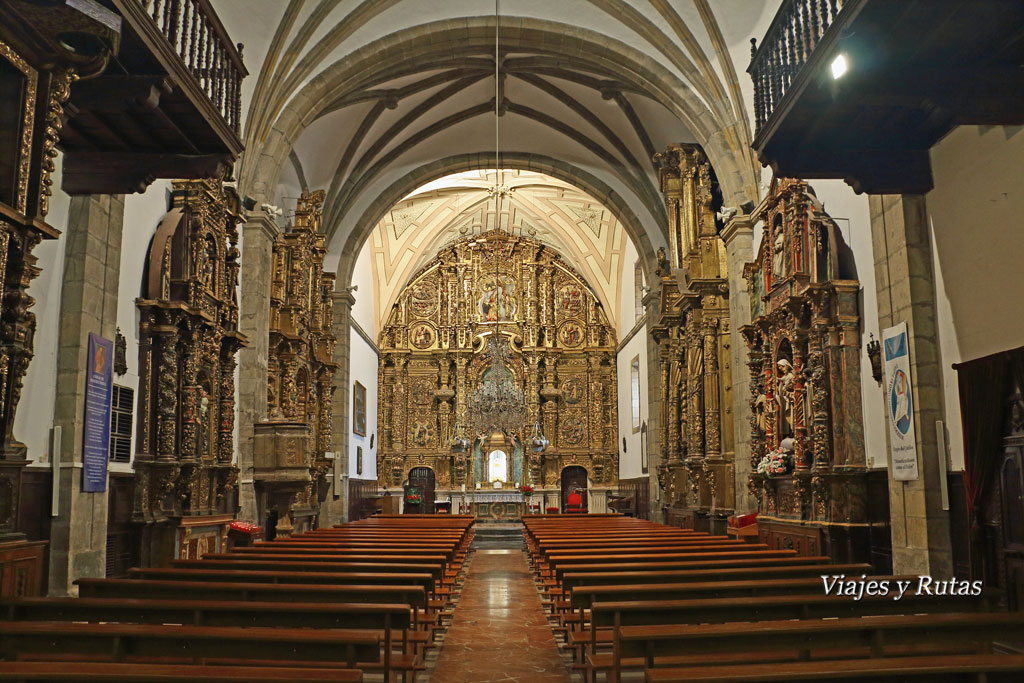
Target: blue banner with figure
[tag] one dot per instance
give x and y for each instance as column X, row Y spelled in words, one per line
column 96, row 426
column 899, row 403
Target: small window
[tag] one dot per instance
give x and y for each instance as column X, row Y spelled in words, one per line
column 638, row 290
column 634, row 386
column 122, row 409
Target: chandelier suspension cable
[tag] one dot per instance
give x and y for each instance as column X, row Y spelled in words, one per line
column 499, row 177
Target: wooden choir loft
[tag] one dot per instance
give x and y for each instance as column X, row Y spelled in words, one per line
column 302, row 378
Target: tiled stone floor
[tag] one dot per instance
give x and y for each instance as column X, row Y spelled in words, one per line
column 499, row 631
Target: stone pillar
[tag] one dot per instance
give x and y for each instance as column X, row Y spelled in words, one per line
column 258, row 236
column 739, row 248
column 92, row 265
column 335, row 508
column 906, row 292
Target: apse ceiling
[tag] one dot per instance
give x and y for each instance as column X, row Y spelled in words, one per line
column 370, row 99
column 583, row 231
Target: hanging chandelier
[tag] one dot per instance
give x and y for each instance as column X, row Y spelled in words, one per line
column 499, row 404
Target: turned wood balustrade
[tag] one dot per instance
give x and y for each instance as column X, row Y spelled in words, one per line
column 798, row 27
column 197, row 35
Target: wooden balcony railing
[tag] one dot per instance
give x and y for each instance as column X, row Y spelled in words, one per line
column 197, row 35
column 798, row 27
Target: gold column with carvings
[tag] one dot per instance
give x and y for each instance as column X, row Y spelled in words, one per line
column 692, row 332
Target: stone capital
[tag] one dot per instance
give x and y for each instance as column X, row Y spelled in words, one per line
column 738, row 226
column 262, row 221
column 343, row 297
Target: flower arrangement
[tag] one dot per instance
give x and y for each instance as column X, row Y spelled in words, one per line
column 526, row 490
column 775, row 464
column 413, row 497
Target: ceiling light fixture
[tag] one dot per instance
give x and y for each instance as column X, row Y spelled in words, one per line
column 839, row 66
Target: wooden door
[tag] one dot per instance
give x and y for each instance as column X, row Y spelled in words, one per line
column 574, row 477
column 422, row 480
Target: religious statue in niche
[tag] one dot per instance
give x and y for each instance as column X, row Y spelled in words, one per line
column 785, row 396
column 570, row 300
column 422, row 336
column 779, row 254
column 571, row 335
column 572, row 390
column 496, row 301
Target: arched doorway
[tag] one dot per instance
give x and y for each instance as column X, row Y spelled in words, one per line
column 422, row 483
column 574, row 478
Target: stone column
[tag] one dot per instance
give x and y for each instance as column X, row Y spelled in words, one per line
column 906, row 292
column 92, row 266
column 739, row 248
column 335, row 508
column 258, row 236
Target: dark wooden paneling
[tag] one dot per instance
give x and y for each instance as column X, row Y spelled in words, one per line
column 959, row 526
column 879, row 532
column 362, row 495
column 124, row 539
column 637, row 493
column 34, row 513
column 805, row 540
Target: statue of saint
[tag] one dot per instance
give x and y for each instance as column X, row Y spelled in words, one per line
column 785, row 395
column 779, row 255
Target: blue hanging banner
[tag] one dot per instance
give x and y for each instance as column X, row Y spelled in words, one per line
column 96, row 427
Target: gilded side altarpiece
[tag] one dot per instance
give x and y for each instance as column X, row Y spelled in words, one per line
column 692, row 333
column 188, row 339
column 290, row 445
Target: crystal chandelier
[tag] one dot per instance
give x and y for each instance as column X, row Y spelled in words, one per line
column 499, row 403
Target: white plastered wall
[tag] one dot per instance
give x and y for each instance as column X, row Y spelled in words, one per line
column 974, row 215
column 364, row 361
column 635, row 346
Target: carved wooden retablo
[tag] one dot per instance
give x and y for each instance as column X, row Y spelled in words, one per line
column 290, row 445
column 517, row 292
column 805, row 370
column 692, row 332
column 188, row 338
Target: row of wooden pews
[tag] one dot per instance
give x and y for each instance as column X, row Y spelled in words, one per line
column 327, row 605
column 680, row 605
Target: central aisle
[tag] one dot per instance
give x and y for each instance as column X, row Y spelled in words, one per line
column 499, row 631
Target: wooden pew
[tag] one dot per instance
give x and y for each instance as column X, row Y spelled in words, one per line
column 110, row 672
column 386, row 619
column 45, row 640
column 829, row 640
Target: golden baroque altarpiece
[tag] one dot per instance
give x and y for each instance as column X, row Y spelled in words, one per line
column 805, row 379
column 290, row 446
column 692, row 333
column 188, row 339
column 497, row 289
column 38, row 69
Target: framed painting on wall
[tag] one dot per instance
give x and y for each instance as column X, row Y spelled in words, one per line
column 359, row 459
column 359, row 409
